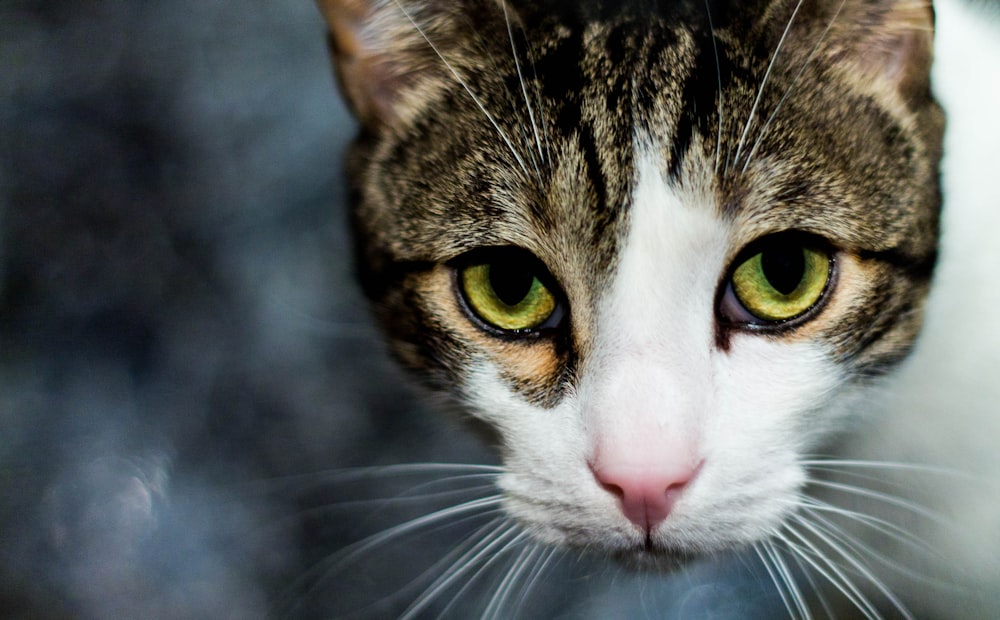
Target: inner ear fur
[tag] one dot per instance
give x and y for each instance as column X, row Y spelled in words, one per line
column 379, row 54
column 885, row 46
column 394, row 56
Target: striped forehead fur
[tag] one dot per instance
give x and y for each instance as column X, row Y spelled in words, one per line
column 550, row 108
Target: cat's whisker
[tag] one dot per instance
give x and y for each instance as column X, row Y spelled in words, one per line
column 829, row 570
column 300, row 485
column 838, row 465
column 524, row 90
column 443, row 563
column 534, row 576
column 881, row 526
column 458, row 78
column 884, row 498
column 778, row 584
column 763, row 132
column 493, row 546
column 854, row 562
column 514, row 100
column 813, row 586
column 837, row 532
column 763, row 82
column 297, row 483
column 353, row 552
column 793, row 585
column 502, row 592
column 522, row 539
column 718, row 75
column 396, row 501
column 546, row 142
column 783, row 580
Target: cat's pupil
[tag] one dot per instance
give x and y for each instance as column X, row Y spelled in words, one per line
column 511, row 280
column 784, row 266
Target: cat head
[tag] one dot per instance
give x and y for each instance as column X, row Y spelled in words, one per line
column 659, row 248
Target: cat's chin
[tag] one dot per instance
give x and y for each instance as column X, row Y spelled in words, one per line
column 653, row 559
column 648, row 556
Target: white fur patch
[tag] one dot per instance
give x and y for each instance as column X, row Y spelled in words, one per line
column 657, row 387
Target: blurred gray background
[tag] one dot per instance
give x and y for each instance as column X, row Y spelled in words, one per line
column 179, row 326
column 185, row 361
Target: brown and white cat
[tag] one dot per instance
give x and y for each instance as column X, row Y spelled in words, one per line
column 670, row 252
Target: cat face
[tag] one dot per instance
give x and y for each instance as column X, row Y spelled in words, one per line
column 661, row 252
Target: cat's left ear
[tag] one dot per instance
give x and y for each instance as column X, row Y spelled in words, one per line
column 886, row 46
column 382, row 53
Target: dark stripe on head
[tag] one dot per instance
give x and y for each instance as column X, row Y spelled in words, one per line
column 701, row 94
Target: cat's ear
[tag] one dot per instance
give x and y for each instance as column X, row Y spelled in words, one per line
column 886, row 46
column 380, row 55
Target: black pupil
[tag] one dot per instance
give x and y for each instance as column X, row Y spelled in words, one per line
column 784, row 266
column 511, row 280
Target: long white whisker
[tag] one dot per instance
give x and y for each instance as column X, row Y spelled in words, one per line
column 718, row 75
column 396, row 501
column 524, row 89
column 863, row 570
column 507, row 547
column 846, row 539
column 513, row 99
column 469, row 561
column 341, row 476
column 885, row 498
column 538, row 97
column 795, row 81
column 371, row 542
column 496, row 530
column 834, row 575
column 449, row 559
column 837, row 465
column 879, row 525
column 503, row 591
column 464, row 85
column 533, row 577
column 336, row 562
column 793, row 587
column 763, row 82
column 779, row 583
column 796, row 557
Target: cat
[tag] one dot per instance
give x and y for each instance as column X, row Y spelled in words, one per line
column 667, row 255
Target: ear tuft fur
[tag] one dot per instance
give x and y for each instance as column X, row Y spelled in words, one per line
column 378, row 53
column 888, row 46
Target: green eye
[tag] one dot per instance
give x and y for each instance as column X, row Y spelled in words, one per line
column 506, row 292
column 782, row 281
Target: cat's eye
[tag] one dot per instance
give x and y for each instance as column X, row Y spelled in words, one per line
column 506, row 289
column 779, row 278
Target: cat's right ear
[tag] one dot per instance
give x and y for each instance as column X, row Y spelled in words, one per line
column 380, row 54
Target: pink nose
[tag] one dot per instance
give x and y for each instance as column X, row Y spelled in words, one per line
column 646, row 494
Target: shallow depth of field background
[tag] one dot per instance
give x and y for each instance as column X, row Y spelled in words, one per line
column 183, row 350
column 179, row 327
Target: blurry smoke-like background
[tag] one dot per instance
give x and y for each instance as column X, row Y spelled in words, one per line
column 178, row 318
column 183, row 350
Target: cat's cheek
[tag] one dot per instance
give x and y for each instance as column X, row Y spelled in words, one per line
column 868, row 319
column 749, row 484
column 773, row 396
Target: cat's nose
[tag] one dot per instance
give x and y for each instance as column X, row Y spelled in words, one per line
column 646, row 493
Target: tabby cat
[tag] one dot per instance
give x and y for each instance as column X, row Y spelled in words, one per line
column 668, row 253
